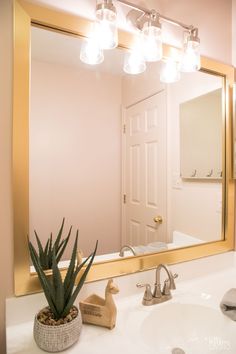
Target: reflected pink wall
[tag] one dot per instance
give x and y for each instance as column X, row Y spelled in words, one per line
column 75, row 162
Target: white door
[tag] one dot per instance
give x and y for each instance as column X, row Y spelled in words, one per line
column 144, row 177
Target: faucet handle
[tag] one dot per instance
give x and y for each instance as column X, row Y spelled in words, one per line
column 157, row 291
column 172, row 284
column 169, row 285
column 148, row 292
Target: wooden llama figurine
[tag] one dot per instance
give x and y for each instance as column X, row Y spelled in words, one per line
column 98, row 311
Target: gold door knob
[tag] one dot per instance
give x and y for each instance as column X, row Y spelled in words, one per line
column 158, row 219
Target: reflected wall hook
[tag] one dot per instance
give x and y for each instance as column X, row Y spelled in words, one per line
column 210, row 173
column 194, row 173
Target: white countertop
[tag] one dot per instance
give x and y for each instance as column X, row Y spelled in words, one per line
column 201, row 282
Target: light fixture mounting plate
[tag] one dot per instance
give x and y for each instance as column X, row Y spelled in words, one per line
column 137, row 19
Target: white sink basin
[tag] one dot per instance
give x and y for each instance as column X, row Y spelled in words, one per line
column 195, row 329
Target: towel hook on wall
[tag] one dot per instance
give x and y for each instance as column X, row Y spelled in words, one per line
column 210, row 173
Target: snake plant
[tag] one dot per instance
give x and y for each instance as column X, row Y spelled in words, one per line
column 61, row 294
column 46, row 253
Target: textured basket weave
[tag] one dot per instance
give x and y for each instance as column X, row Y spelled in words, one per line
column 57, row 338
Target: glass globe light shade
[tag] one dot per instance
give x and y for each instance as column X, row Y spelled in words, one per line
column 170, row 72
column 151, row 42
column 191, row 61
column 91, row 52
column 107, row 33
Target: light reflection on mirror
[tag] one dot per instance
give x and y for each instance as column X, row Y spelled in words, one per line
column 108, row 152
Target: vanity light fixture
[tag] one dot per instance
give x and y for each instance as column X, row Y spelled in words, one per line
column 151, row 38
column 148, row 25
column 191, row 52
column 106, row 29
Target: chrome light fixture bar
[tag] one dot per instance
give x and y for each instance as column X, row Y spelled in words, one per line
column 148, row 47
column 149, row 12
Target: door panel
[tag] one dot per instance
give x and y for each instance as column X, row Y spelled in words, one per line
column 145, row 171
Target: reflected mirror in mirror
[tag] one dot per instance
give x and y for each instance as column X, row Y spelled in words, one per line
column 124, row 158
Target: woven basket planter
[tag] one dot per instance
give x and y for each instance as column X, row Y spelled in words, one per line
column 57, row 338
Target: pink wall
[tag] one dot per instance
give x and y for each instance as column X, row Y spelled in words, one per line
column 75, row 162
column 234, row 32
column 212, row 17
column 214, row 20
column 138, row 87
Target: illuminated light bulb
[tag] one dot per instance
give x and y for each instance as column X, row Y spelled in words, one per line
column 107, row 35
column 152, row 39
column 134, row 62
column 170, row 72
column 91, row 52
column 191, row 61
column 106, row 29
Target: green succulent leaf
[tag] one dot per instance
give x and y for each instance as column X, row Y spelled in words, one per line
column 60, row 295
column 41, row 251
column 46, row 247
column 70, row 285
column 46, row 253
column 58, row 286
column 58, row 238
column 45, row 283
column 80, row 284
column 71, row 267
column 62, row 246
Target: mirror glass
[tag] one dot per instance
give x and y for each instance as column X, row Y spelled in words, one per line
column 125, row 159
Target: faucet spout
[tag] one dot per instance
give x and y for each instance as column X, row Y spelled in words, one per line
column 159, row 295
column 126, row 247
column 170, row 276
column 169, row 284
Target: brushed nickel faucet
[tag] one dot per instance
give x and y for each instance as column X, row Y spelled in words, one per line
column 125, row 248
column 159, row 295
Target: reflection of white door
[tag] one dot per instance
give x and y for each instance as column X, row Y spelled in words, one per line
column 145, row 171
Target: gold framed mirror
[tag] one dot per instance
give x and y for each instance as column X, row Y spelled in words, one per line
column 27, row 14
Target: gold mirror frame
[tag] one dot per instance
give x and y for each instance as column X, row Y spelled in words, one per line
column 26, row 14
